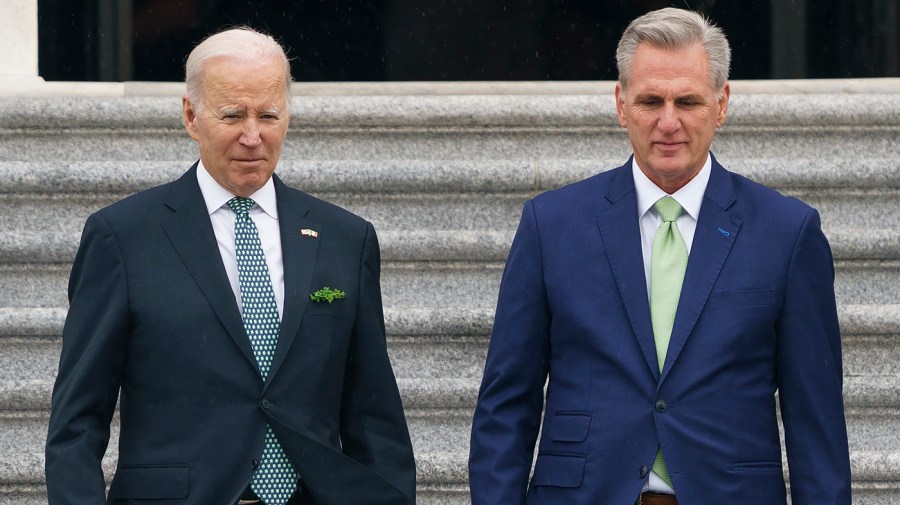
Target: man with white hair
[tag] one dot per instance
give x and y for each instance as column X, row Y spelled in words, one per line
column 238, row 320
column 662, row 305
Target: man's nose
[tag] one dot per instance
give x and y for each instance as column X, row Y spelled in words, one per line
column 250, row 133
column 668, row 118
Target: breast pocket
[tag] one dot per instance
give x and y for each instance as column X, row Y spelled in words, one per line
column 747, row 298
column 336, row 308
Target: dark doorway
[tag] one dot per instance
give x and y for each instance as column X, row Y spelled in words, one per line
column 458, row 40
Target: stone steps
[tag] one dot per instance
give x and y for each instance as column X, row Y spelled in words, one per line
column 443, row 179
column 438, row 354
column 440, row 284
column 466, row 211
column 439, row 400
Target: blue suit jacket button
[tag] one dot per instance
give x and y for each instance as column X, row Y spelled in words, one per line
column 643, row 471
column 265, row 403
column 661, row 406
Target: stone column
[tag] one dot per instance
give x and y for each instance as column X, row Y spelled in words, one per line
column 19, row 41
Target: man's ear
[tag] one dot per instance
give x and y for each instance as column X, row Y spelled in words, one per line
column 189, row 118
column 723, row 105
column 620, row 105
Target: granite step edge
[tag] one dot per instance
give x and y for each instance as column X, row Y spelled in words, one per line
column 424, row 245
column 435, row 469
column 347, row 111
column 856, row 319
column 860, row 391
column 413, row 176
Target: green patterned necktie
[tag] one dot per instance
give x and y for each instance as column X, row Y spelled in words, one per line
column 275, row 480
column 667, row 265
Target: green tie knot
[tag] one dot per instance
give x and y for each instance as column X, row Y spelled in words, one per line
column 668, row 209
column 241, row 205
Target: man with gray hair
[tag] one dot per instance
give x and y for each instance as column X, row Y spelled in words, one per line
column 238, row 321
column 651, row 317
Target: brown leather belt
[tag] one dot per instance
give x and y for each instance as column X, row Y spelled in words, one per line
column 656, row 499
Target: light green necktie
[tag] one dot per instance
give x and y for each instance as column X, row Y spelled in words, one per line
column 667, row 265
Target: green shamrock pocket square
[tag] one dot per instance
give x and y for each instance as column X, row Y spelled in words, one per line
column 327, row 294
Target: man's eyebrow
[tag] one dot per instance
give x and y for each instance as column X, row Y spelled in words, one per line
column 644, row 96
column 229, row 110
column 272, row 110
column 691, row 96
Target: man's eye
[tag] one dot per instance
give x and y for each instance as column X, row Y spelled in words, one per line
column 650, row 102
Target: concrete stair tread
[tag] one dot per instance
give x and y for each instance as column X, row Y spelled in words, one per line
column 856, row 319
column 405, row 176
column 447, row 470
column 480, row 244
column 163, row 112
column 29, row 389
column 464, row 283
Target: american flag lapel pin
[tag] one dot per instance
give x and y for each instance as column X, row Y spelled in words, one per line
column 309, row 232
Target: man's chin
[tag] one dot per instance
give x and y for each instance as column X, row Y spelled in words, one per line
column 247, row 185
column 670, row 166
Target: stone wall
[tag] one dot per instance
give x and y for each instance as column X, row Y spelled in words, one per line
column 442, row 171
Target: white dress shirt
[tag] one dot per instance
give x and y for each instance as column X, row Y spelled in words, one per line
column 264, row 214
column 690, row 197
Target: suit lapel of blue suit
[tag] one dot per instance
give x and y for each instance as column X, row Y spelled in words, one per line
column 716, row 231
column 620, row 231
column 190, row 231
column 299, row 253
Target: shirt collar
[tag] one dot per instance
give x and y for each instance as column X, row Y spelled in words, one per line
column 215, row 196
column 690, row 196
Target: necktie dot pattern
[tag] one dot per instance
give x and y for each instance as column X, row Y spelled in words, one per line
column 275, row 480
column 667, row 266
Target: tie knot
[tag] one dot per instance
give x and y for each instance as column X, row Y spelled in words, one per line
column 240, row 205
column 668, row 208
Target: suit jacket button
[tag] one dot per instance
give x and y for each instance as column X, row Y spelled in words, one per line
column 661, row 406
column 643, row 471
column 254, row 464
column 265, row 403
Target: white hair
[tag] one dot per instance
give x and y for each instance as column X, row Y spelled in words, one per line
column 241, row 43
column 673, row 28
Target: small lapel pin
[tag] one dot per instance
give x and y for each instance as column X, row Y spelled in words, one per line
column 723, row 232
column 309, row 232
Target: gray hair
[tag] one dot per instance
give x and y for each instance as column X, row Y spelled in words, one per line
column 673, row 28
column 242, row 43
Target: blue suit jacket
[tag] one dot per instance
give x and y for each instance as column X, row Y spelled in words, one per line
column 153, row 319
column 756, row 316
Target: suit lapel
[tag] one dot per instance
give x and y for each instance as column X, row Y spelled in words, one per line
column 621, row 237
column 716, row 232
column 190, row 231
column 299, row 258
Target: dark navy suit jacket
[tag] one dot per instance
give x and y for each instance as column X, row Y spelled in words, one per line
column 152, row 316
column 756, row 317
